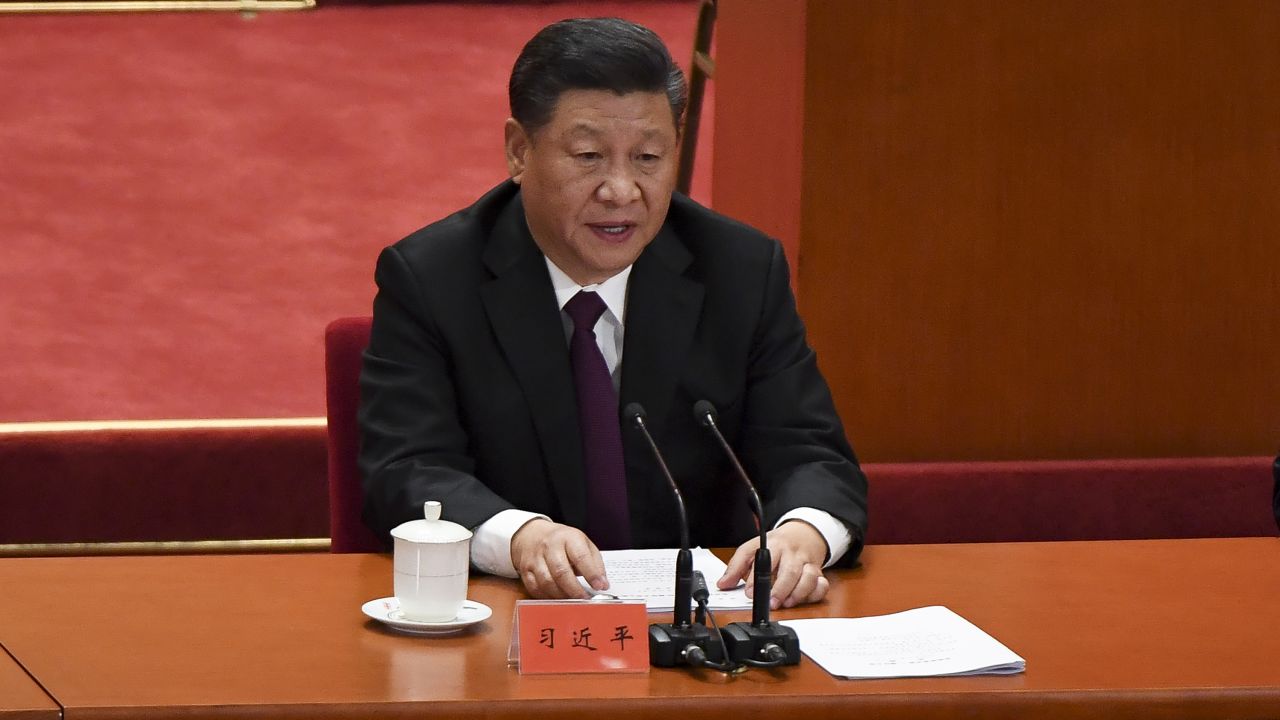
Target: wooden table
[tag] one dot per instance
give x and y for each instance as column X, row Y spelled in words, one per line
column 20, row 697
column 1174, row 628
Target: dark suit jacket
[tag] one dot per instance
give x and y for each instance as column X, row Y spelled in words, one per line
column 467, row 395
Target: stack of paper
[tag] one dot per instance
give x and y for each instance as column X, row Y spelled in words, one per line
column 925, row 642
column 650, row 576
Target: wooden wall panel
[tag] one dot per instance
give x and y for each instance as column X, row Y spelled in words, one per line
column 760, row 80
column 1043, row 229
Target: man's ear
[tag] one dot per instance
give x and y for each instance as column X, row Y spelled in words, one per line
column 517, row 144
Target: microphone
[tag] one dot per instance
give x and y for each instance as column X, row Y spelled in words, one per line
column 760, row 642
column 680, row 641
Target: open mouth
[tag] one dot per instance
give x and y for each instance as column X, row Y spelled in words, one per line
column 614, row 232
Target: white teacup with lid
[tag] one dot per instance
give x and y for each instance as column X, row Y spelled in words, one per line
column 432, row 559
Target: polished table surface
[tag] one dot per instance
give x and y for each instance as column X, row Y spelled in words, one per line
column 20, row 697
column 1173, row 628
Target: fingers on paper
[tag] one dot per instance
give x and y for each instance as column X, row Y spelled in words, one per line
column 739, row 566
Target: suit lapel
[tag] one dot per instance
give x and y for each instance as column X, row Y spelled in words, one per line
column 521, row 307
column 663, row 307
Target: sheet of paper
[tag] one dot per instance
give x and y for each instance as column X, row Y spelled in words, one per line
column 924, row 642
column 649, row 575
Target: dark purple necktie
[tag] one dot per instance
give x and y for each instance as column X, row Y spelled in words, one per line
column 608, row 520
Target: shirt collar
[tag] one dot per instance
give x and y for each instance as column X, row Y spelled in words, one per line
column 613, row 291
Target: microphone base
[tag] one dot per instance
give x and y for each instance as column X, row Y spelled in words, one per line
column 667, row 643
column 747, row 641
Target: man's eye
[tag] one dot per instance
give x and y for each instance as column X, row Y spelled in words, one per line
column 588, row 155
column 649, row 158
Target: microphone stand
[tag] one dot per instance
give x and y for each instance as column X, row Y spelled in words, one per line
column 679, row 642
column 759, row 643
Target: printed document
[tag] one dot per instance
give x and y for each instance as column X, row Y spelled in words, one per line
column 924, row 642
column 650, row 576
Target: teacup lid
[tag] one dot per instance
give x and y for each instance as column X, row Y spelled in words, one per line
column 432, row 529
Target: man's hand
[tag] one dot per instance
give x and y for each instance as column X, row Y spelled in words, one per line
column 549, row 556
column 798, row 552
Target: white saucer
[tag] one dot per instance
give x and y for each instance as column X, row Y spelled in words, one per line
column 387, row 611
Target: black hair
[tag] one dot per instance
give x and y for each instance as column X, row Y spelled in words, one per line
column 591, row 54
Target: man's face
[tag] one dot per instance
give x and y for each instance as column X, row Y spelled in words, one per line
column 596, row 179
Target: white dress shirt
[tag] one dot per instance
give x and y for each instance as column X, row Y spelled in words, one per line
column 491, row 544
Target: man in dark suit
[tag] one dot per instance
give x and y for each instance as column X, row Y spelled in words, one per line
column 483, row 385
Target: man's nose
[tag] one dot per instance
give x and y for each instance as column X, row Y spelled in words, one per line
column 619, row 186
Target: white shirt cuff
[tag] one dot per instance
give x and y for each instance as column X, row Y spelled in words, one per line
column 832, row 530
column 491, row 542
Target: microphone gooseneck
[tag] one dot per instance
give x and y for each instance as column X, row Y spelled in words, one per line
column 761, row 643
column 705, row 412
column 681, row 641
column 635, row 413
